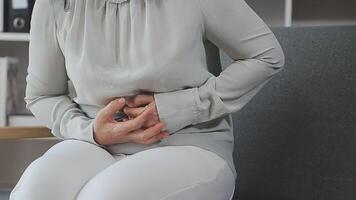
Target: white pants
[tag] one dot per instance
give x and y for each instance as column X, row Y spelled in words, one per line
column 74, row 169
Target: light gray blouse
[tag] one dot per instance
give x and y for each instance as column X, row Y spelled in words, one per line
column 113, row 48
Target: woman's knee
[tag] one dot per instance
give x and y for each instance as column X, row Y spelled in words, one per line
column 35, row 183
column 72, row 148
column 61, row 171
column 220, row 186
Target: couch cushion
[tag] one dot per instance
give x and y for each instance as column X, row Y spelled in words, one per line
column 296, row 139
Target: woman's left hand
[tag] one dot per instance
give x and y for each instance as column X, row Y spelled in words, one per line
column 136, row 105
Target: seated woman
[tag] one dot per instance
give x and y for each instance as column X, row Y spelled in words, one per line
column 147, row 59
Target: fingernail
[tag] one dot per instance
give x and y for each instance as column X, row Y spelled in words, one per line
column 121, row 100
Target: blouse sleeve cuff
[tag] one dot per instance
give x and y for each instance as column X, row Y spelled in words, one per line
column 177, row 109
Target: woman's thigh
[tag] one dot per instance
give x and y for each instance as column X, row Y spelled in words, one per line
column 61, row 171
column 164, row 173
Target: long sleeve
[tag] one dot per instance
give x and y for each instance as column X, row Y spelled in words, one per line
column 47, row 93
column 237, row 30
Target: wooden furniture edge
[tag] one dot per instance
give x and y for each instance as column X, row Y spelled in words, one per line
column 18, row 132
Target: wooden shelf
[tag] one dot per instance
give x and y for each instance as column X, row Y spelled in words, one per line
column 18, row 132
column 16, row 37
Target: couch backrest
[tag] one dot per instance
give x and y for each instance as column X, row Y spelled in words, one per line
column 296, row 139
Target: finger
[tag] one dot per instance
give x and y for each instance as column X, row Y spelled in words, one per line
column 133, row 112
column 132, row 138
column 109, row 110
column 139, row 100
column 157, row 137
column 150, row 132
column 150, row 123
column 135, row 123
column 147, row 134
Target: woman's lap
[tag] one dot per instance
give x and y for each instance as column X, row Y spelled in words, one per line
column 163, row 173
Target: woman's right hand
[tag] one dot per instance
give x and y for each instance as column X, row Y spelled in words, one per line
column 108, row 131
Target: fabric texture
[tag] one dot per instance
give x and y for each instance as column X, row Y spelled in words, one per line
column 110, row 49
column 193, row 173
column 300, row 141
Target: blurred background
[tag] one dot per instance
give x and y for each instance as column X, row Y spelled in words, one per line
column 22, row 138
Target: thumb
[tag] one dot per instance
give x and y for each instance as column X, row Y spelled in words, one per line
column 109, row 111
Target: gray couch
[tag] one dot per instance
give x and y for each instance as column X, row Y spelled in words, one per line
column 296, row 139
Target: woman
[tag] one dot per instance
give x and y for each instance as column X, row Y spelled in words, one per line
column 177, row 140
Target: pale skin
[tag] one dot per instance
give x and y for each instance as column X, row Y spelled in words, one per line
column 143, row 125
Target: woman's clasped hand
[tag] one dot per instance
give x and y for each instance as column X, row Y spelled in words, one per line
column 143, row 125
